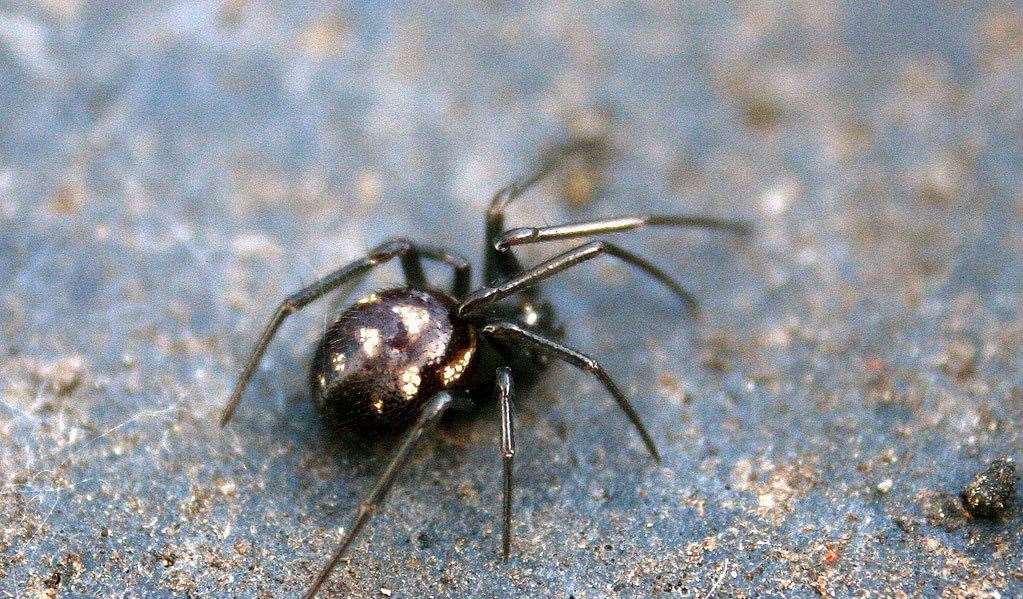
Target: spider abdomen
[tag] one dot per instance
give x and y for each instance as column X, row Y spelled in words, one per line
column 387, row 355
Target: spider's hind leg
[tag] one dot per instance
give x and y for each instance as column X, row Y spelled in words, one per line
column 411, row 255
column 411, row 264
column 432, row 413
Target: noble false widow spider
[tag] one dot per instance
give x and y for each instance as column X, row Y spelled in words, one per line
column 397, row 360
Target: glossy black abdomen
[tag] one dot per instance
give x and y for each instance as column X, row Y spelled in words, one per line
column 387, row 355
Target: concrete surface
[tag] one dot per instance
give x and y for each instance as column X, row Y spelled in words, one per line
column 168, row 171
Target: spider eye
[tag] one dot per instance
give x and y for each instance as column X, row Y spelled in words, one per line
column 529, row 315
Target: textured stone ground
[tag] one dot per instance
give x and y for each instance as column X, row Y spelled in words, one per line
column 169, row 170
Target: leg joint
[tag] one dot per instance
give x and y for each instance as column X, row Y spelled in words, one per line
column 389, row 249
column 288, row 306
column 590, row 365
column 500, row 201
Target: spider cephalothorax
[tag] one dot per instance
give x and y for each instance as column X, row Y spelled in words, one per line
column 395, row 359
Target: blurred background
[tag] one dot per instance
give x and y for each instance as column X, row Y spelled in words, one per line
column 170, row 170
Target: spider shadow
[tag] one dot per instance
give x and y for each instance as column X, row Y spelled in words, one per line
column 325, row 443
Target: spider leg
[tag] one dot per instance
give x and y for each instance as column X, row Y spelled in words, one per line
column 462, row 269
column 487, row 296
column 410, row 254
column 523, row 235
column 509, row 331
column 497, row 264
column 503, row 390
column 432, row 413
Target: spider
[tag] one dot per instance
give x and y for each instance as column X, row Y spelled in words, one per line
column 399, row 359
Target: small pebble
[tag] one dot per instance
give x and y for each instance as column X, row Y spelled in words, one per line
column 991, row 491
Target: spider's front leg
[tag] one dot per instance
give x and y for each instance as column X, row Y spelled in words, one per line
column 498, row 264
column 479, row 300
column 524, row 235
